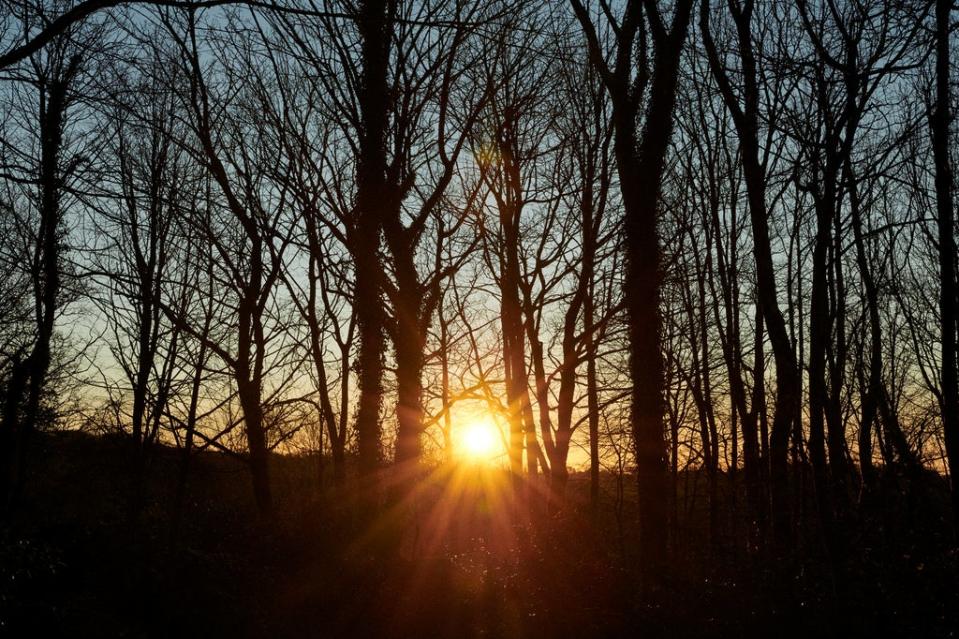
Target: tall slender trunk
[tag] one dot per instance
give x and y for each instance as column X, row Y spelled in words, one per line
column 787, row 374
column 534, row 454
column 327, row 417
column 711, row 440
column 374, row 23
column 558, row 448
column 838, row 358
column 819, row 335
column 149, row 273
column 761, row 474
column 254, row 293
column 517, row 389
column 581, row 301
column 874, row 387
column 338, row 449
column 746, row 120
column 445, row 403
column 249, row 394
column 510, row 207
column 592, row 390
column 945, row 212
column 370, row 320
column 743, row 418
column 144, row 364
column 186, row 454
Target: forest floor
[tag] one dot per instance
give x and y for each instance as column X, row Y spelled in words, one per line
column 76, row 562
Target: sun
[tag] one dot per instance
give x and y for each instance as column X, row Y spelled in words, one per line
column 479, row 439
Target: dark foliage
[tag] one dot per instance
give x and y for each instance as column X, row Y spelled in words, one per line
column 77, row 563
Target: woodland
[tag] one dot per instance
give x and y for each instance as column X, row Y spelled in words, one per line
column 478, row 318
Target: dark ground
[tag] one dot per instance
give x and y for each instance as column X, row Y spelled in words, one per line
column 74, row 562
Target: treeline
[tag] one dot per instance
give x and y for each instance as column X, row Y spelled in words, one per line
column 650, row 237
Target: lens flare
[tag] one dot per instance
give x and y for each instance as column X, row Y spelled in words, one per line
column 478, row 440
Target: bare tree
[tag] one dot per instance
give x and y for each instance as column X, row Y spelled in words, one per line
column 53, row 76
column 744, row 108
column 940, row 121
column 640, row 160
column 250, row 251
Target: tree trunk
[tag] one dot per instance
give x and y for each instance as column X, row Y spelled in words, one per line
column 249, row 393
column 592, row 391
column 517, row 388
column 409, row 344
column 375, row 31
column 641, row 182
column 818, row 338
column 746, row 120
column 248, row 373
column 945, row 212
column 872, row 390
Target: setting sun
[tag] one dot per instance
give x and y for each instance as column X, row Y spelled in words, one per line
column 478, row 439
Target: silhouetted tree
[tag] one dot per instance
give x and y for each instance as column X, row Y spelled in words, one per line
column 632, row 79
column 53, row 74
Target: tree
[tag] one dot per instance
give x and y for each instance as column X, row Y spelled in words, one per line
column 640, row 160
column 507, row 144
column 250, row 243
column 744, row 109
column 54, row 77
column 940, row 122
